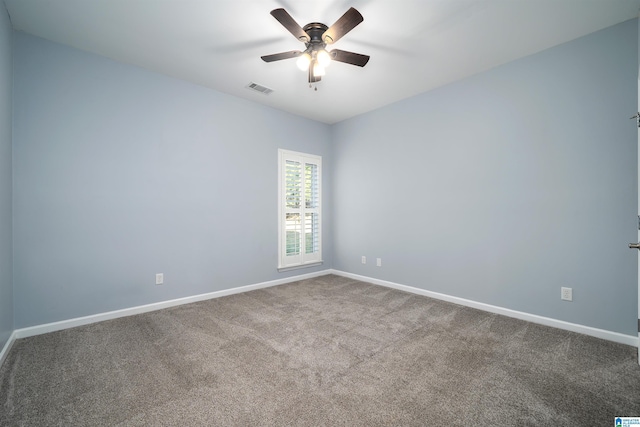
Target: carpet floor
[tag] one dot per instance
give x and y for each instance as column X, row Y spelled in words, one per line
column 328, row 351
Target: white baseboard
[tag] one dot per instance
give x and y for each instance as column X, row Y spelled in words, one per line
column 79, row 321
column 547, row 321
column 7, row 347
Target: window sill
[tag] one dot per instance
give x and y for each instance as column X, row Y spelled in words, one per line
column 298, row 267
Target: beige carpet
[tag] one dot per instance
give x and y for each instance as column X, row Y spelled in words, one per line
column 328, row 351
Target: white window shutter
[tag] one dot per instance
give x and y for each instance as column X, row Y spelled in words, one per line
column 299, row 216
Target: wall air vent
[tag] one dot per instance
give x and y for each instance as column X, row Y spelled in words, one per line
column 259, row 88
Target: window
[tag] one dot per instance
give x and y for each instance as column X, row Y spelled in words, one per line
column 299, row 209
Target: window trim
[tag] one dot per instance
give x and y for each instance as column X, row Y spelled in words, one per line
column 305, row 260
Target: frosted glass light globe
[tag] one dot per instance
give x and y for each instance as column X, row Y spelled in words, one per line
column 323, row 58
column 304, row 61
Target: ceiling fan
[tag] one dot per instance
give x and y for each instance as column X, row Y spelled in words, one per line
column 316, row 37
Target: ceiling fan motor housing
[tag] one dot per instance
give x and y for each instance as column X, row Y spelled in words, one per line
column 315, row 30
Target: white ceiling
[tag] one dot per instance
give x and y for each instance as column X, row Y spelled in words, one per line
column 415, row 45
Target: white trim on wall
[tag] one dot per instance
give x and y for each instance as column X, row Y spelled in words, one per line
column 547, row 321
column 79, row 321
column 7, row 347
column 560, row 324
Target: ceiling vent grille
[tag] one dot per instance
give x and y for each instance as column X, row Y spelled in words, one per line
column 259, row 88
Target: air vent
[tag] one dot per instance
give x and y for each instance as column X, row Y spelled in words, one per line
column 259, row 88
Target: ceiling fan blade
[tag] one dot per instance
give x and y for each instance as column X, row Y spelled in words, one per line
column 349, row 57
column 342, row 26
column 290, row 24
column 280, row 56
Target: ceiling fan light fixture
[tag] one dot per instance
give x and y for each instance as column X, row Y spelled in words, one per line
column 318, row 69
column 304, row 61
column 323, row 58
column 316, row 36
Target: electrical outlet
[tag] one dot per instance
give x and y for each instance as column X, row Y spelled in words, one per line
column 364, row 259
column 566, row 294
column 159, row 278
column 379, row 262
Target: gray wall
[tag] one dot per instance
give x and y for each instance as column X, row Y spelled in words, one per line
column 500, row 188
column 505, row 186
column 120, row 173
column 6, row 288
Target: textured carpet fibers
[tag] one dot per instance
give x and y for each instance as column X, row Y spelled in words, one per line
column 326, row 351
